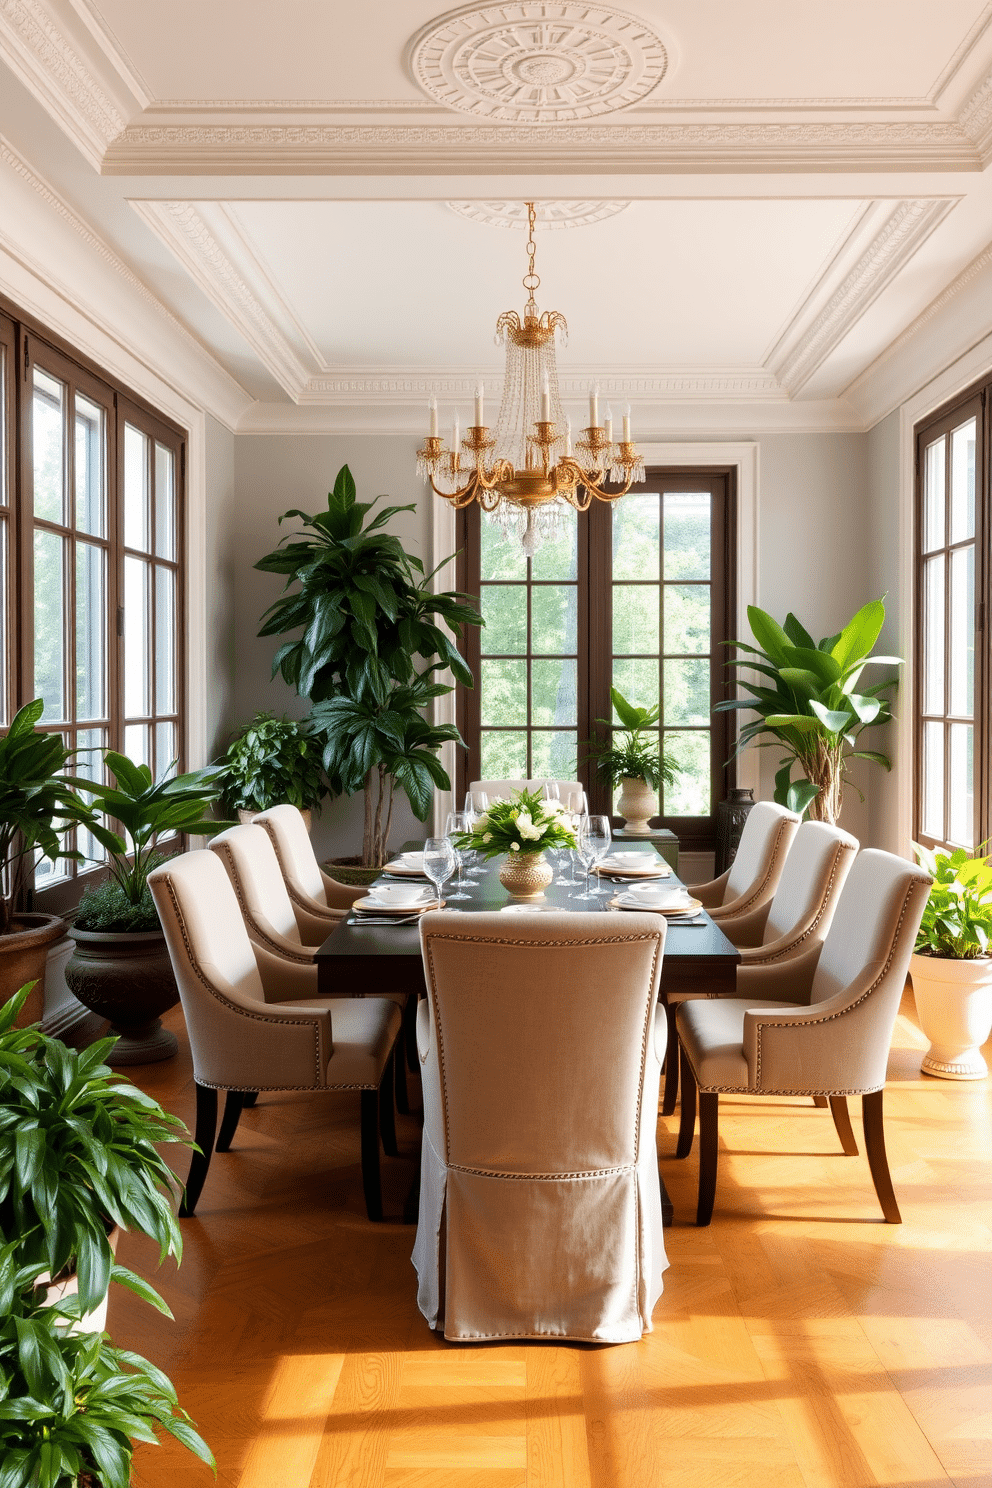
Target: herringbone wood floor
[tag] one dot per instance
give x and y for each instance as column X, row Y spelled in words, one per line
column 800, row 1342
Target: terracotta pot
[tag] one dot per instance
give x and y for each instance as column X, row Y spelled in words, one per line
column 128, row 978
column 23, row 958
column 954, row 1004
column 525, row 875
column 638, row 802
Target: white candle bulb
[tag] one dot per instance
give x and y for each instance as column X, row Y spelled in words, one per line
column 479, row 395
column 609, row 424
column 545, row 401
column 626, row 424
column 568, row 436
column 432, row 410
column 594, row 407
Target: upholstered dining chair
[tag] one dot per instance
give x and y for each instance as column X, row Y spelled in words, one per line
column 271, row 918
column 751, row 880
column 818, row 1023
column 541, row 1043
column 255, row 1022
column 323, row 900
column 799, row 915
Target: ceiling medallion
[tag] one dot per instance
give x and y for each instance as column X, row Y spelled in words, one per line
column 538, row 61
column 549, row 214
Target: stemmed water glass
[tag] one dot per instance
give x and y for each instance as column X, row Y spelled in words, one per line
column 439, row 862
column 456, row 823
column 577, row 807
column 476, row 805
column 595, row 837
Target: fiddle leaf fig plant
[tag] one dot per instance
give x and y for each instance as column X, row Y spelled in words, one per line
column 811, row 703
column 370, row 632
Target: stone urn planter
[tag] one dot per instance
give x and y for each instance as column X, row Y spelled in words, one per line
column 954, row 1004
column 525, row 875
column 23, row 958
column 637, row 804
column 126, row 977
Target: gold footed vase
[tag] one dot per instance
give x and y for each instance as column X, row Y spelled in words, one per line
column 525, row 875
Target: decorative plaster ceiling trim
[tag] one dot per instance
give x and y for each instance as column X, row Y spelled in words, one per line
column 550, row 214
column 114, row 52
column 976, row 118
column 403, row 385
column 263, row 278
column 907, row 228
column 233, row 394
column 183, row 230
column 537, row 60
column 204, row 149
column 180, row 106
column 961, row 54
column 41, row 56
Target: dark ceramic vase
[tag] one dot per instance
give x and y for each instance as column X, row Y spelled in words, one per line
column 127, row 978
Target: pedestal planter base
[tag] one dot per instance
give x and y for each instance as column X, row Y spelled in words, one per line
column 525, row 875
column 954, row 1005
column 637, row 803
column 128, row 979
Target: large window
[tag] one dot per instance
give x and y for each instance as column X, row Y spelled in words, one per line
column 952, row 672
column 90, row 572
column 638, row 596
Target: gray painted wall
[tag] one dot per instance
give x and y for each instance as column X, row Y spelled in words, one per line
column 221, row 531
column 887, row 829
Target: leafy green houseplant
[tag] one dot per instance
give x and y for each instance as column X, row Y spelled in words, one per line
column 523, row 824
column 371, row 633
column 952, row 964
column 271, row 760
column 634, row 761
column 808, row 704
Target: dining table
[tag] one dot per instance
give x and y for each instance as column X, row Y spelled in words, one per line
column 384, row 956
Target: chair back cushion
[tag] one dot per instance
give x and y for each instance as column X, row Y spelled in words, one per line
column 874, row 927
column 294, row 850
column 253, row 868
column 501, row 789
column 764, row 844
column 815, row 871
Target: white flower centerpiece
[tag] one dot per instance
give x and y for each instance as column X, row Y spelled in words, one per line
column 521, row 828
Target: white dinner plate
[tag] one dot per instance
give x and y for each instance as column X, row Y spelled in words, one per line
column 372, row 906
column 399, row 869
column 617, row 868
column 687, row 911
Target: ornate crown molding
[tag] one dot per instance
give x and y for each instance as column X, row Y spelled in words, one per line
column 205, row 149
column 538, row 60
column 49, row 66
column 803, row 349
column 184, row 231
column 553, row 214
column 976, row 118
column 647, row 384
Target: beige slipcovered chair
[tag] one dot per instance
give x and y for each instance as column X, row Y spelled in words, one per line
column 323, row 900
column 818, row 1023
column 255, row 1022
column 541, row 1044
column 799, row 915
column 751, row 880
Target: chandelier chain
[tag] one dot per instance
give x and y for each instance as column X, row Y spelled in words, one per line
column 531, row 281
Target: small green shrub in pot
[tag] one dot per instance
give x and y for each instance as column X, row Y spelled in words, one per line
column 269, row 761
column 634, row 761
column 957, row 921
column 952, row 964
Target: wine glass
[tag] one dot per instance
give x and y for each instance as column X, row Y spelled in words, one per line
column 577, row 807
column 476, row 805
column 551, row 791
column 599, row 834
column 456, row 823
column 439, row 862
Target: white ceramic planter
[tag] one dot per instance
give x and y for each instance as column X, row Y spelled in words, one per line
column 637, row 804
column 954, row 1004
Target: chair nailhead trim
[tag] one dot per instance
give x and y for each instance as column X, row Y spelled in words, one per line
column 249, row 919
column 760, row 888
column 785, row 952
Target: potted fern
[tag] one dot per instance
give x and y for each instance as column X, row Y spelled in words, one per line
column 634, row 761
column 270, row 761
column 951, row 966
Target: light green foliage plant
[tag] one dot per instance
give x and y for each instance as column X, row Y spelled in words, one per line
column 372, row 633
column 523, row 824
column 271, row 760
column 37, row 804
column 631, row 755
column 957, row 920
column 809, row 704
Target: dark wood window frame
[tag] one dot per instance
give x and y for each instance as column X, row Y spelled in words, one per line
column 26, row 344
column 975, row 402
column 696, row 834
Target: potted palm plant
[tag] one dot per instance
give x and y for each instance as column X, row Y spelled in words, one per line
column 806, row 702
column 373, row 633
column 38, row 806
column 120, row 968
column 271, row 760
column 634, row 761
column 951, row 967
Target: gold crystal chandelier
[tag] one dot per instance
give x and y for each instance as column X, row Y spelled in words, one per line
column 525, row 474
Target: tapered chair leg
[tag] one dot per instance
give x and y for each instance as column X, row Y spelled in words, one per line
column 842, row 1121
column 399, row 1072
column 387, row 1122
column 229, row 1124
column 671, row 1064
column 709, row 1120
column 206, row 1126
column 371, row 1182
column 821, row 1101
column 871, row 1116
column 250, row 1097
column 687, row 1121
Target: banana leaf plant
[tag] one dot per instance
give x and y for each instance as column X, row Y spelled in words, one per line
column 371, row 631
column 811, row 703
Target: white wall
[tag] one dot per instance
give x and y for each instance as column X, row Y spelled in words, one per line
column 888, row 829
column 272, row 474
column 220, row 534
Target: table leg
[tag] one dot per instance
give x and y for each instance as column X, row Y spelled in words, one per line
column 671, row 1063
